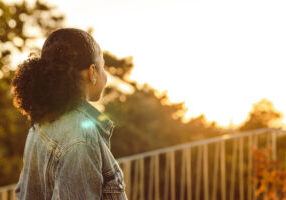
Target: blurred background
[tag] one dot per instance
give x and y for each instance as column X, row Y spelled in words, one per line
column 178, row 72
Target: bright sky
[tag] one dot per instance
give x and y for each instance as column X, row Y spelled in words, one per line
column 218, row 56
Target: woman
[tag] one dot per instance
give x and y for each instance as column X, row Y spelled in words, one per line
column 67, row 151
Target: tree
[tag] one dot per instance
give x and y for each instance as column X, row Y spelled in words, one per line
column 144, row 119
column 15, row 22
column 119, row 67
column 144, row 122
column 262, row 115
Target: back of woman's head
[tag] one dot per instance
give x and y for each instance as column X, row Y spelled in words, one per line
column 45, row 87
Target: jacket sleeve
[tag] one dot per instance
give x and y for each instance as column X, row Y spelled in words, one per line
column 79, row 173
column 18, row 190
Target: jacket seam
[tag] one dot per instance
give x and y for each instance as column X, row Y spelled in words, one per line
column 68, row 147
column 48, row 140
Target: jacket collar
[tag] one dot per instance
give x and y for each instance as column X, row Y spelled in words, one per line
column 101, row 119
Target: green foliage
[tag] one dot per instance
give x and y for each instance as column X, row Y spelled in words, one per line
column 119, row 67
column 263, row 115
column 144, row 119
column 21, row 24
column 15, row 21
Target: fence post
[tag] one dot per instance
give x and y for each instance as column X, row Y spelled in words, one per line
column 250, row 175
column 127, row 176
column 198, row 177
column 215, row 174
column 206, row 177
column 241, row 173
column 222, row 162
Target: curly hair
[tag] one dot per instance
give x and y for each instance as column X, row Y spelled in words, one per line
column 45, row 87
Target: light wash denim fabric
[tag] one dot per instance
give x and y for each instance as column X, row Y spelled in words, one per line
column 71, row 159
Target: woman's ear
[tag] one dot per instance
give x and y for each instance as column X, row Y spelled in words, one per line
column 92, row 73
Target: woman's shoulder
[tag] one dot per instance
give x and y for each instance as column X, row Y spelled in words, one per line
column 71, row 128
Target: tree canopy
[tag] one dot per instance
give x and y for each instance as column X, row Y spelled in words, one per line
column 144, row 120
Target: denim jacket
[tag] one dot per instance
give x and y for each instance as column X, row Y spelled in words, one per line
column 70, row 158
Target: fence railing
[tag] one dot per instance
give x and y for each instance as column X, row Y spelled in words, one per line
column 216, row 168
column 222, row 167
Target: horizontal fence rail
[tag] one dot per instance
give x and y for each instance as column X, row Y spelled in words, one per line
column 216, row 168
column 224, row 167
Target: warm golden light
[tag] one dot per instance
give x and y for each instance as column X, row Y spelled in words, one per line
column 219, row 57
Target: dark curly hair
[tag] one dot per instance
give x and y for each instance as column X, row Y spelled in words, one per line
column 45, row 87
